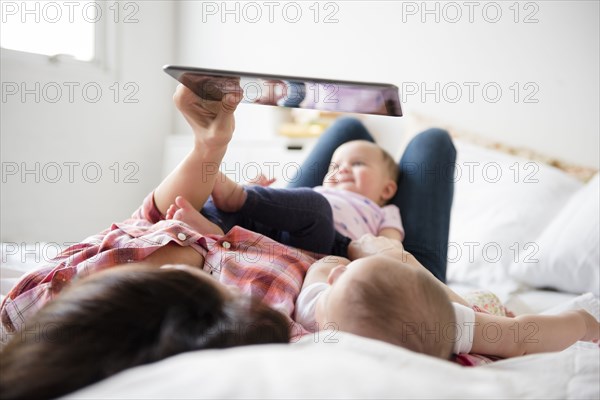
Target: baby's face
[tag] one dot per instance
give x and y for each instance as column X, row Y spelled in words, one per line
column 359, row 167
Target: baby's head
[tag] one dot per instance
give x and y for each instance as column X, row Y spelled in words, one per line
column 364, row 168
column 386, row 299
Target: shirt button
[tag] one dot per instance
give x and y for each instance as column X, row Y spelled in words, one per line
column 181, row 236
column 226, row 245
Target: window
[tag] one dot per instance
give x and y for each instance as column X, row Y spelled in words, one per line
column 52, row 28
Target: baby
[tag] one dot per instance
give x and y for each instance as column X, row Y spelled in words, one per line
column 379, row 297
column 393, row 298
column 352, row 201
column 361, row 180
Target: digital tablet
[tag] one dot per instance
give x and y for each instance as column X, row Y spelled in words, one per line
column 291, row 91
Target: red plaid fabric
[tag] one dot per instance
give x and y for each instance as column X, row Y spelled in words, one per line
column 257, row 265
column 474, row 360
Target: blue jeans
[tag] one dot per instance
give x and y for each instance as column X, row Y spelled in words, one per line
column 425, row 186
column 298, row 217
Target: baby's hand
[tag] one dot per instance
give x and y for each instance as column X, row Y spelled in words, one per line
column 368, row 245
column 592, row 327
column 261, row 180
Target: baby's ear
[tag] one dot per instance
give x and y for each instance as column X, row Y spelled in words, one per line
column 389, row 190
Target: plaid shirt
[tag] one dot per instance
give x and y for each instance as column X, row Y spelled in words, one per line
column 257, row 265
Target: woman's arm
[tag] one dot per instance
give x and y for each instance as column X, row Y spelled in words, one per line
column 528, row 334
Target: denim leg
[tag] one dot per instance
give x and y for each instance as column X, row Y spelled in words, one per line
column 227, row 220
column 314, row 168
column 298, row 217
column 424, row 196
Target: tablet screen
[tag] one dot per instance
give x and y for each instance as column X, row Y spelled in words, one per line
column 295, row 92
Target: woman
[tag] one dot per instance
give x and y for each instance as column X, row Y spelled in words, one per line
column 118, row 318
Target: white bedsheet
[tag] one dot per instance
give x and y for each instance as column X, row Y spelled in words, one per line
column 359, row 368
column 354, row 367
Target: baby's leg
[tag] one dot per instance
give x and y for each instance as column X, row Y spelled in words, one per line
column 194, row 178
column 228, row 195
column 297, row 217
column 183, row 211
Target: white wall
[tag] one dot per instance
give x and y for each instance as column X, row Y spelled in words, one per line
column 104, row 133
column 387, row 41
column 370, row 41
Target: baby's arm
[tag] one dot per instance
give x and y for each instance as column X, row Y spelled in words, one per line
column 391, row 226
column 320, row 270
column 527, row 334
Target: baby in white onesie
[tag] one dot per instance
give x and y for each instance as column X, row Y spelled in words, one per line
column 386, row 294
column 306, row 305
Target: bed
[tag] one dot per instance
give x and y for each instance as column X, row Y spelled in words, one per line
column 523, row 229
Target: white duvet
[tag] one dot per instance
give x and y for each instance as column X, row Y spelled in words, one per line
column 354, row 367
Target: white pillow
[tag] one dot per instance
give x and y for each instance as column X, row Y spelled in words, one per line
column 500, row 208
column 569, row 249
column 340, row 365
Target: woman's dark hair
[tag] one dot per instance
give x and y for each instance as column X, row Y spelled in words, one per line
column 123, row 317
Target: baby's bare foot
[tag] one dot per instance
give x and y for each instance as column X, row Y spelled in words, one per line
column 183, row 211
column 227, row 195
column 212, row 122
